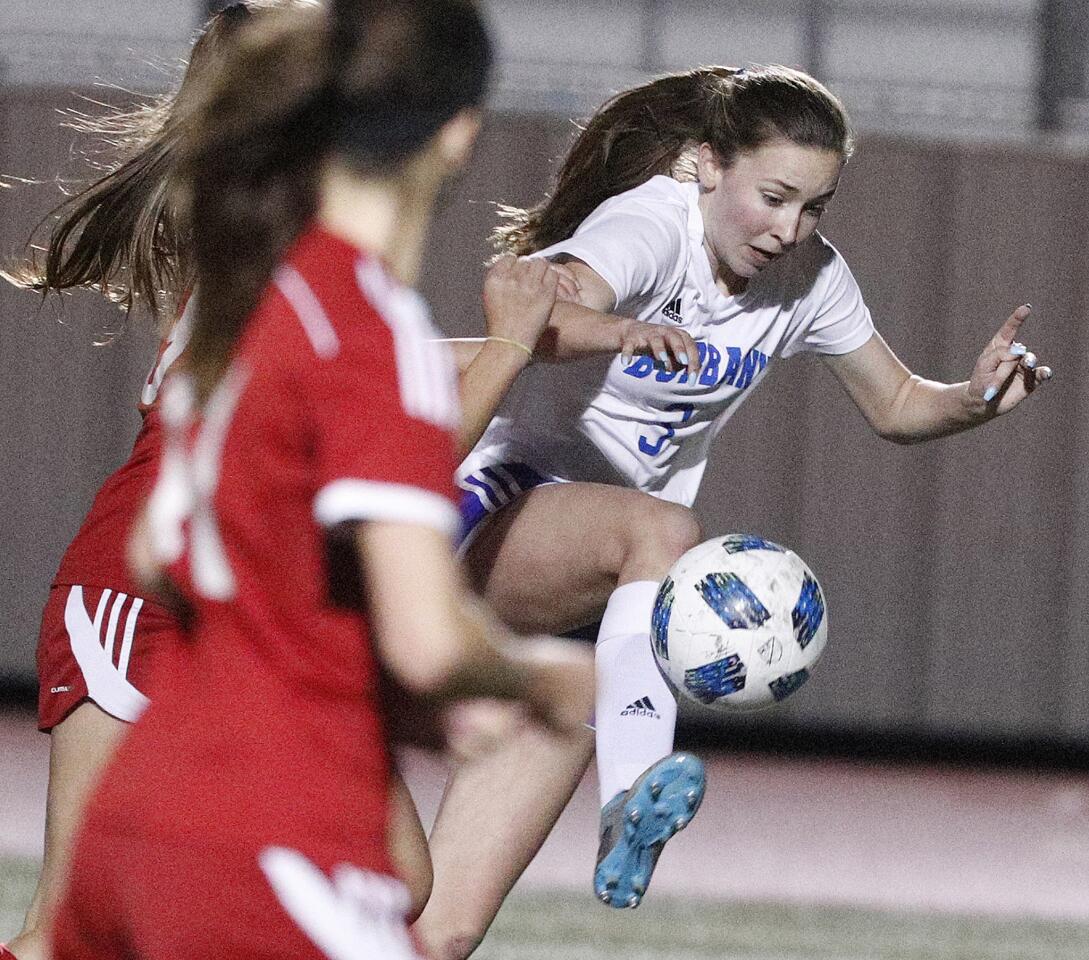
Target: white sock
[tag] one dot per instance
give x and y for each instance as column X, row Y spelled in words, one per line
column 635, row 712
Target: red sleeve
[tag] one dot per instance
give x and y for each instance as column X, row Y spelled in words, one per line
column 383, row 402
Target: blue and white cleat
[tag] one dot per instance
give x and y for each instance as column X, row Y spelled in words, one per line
column 637, row 822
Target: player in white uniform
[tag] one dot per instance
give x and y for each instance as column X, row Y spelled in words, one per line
column 688, row 291
column 630, row 421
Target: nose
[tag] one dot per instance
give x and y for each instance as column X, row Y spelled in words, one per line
column 787, row 226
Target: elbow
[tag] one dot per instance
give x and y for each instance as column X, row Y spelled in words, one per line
column 895, row 435
column 890, row 424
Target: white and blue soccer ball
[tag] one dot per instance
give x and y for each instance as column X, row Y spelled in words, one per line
column 739, row 623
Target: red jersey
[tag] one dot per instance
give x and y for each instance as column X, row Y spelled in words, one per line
column 96, row 556
column 336, row 408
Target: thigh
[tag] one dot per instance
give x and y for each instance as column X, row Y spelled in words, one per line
column 80, row 746
column 548, row 561
column 495, row 814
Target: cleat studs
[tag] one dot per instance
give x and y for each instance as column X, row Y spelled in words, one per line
column 691, row 798
column 634, row 816
column 655, row 790
column 633, row 901
column 605, row 897
column 680, row 823
column 639, row 887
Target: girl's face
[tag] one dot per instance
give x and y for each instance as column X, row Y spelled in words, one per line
column 763, row 205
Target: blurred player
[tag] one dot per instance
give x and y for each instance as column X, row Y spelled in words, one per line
column 102, row 635
column 687, row 212
column 245, row 815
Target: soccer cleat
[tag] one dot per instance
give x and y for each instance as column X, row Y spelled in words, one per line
column 637, row 822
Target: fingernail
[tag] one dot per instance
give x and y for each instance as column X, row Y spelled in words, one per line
column 664, row 357
column 625, row 360
column 989, row 394
column 1027, row 306
column 1018, row 349
column 683, row 357
column 1030, row 361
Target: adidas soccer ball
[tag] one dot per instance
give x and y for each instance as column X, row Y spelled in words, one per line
column 738, row 623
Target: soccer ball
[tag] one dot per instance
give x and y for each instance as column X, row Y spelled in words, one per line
column 738, row 623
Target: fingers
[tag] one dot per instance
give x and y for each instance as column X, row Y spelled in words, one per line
column 1017, row 362
column 671, row 348
column 1007, row 333
column 567, row 283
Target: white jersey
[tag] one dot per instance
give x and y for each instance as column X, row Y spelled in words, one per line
column 636, row 424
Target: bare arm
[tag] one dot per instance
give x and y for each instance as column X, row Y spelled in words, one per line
column 519, row 295
column 906, row 408
column 589, row 327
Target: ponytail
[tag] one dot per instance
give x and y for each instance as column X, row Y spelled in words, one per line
column 366, row 84
column 654, row 129
column 125, row 234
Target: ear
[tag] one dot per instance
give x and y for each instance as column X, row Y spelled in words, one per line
column 708, row 168
column 455, row 140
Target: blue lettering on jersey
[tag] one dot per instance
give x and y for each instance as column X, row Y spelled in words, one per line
column 741, row 369
column 709, row 365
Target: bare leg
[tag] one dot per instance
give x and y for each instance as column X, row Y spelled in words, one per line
column 80, row 747
column 546, row 563
column 408, row 846
column 489, row 826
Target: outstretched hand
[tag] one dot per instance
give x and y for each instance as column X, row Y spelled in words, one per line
column 1006, row 371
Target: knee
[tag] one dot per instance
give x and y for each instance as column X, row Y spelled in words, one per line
column 666, row 532
column 679, row 530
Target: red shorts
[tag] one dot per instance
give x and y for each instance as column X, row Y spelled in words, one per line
column 100, row 645
column 167, row 899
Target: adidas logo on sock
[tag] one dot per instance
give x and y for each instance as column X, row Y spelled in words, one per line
column 672, row 311
column 641, row 708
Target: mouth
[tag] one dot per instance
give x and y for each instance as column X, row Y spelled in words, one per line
column 762, row 256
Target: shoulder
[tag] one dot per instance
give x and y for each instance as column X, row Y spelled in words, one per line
column 661, row 199
column 650, row 220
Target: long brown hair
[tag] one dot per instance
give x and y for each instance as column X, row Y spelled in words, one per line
column 125, row 234
column 365, row 83
column 653, row 129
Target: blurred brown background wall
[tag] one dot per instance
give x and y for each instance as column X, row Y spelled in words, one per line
column 956, row 572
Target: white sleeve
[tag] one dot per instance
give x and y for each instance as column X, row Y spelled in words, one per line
column 635, row 246
column 841, row 321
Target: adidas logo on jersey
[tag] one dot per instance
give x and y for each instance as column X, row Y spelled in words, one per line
column 672, row 311
column 641, row 708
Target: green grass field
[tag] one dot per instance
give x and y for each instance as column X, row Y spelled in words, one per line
column 564, row 926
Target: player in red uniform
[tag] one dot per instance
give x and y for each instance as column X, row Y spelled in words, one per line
column 102, row 635
column 307, row 513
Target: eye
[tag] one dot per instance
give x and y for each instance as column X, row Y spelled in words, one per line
column 772, row 200
column 816, row 209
